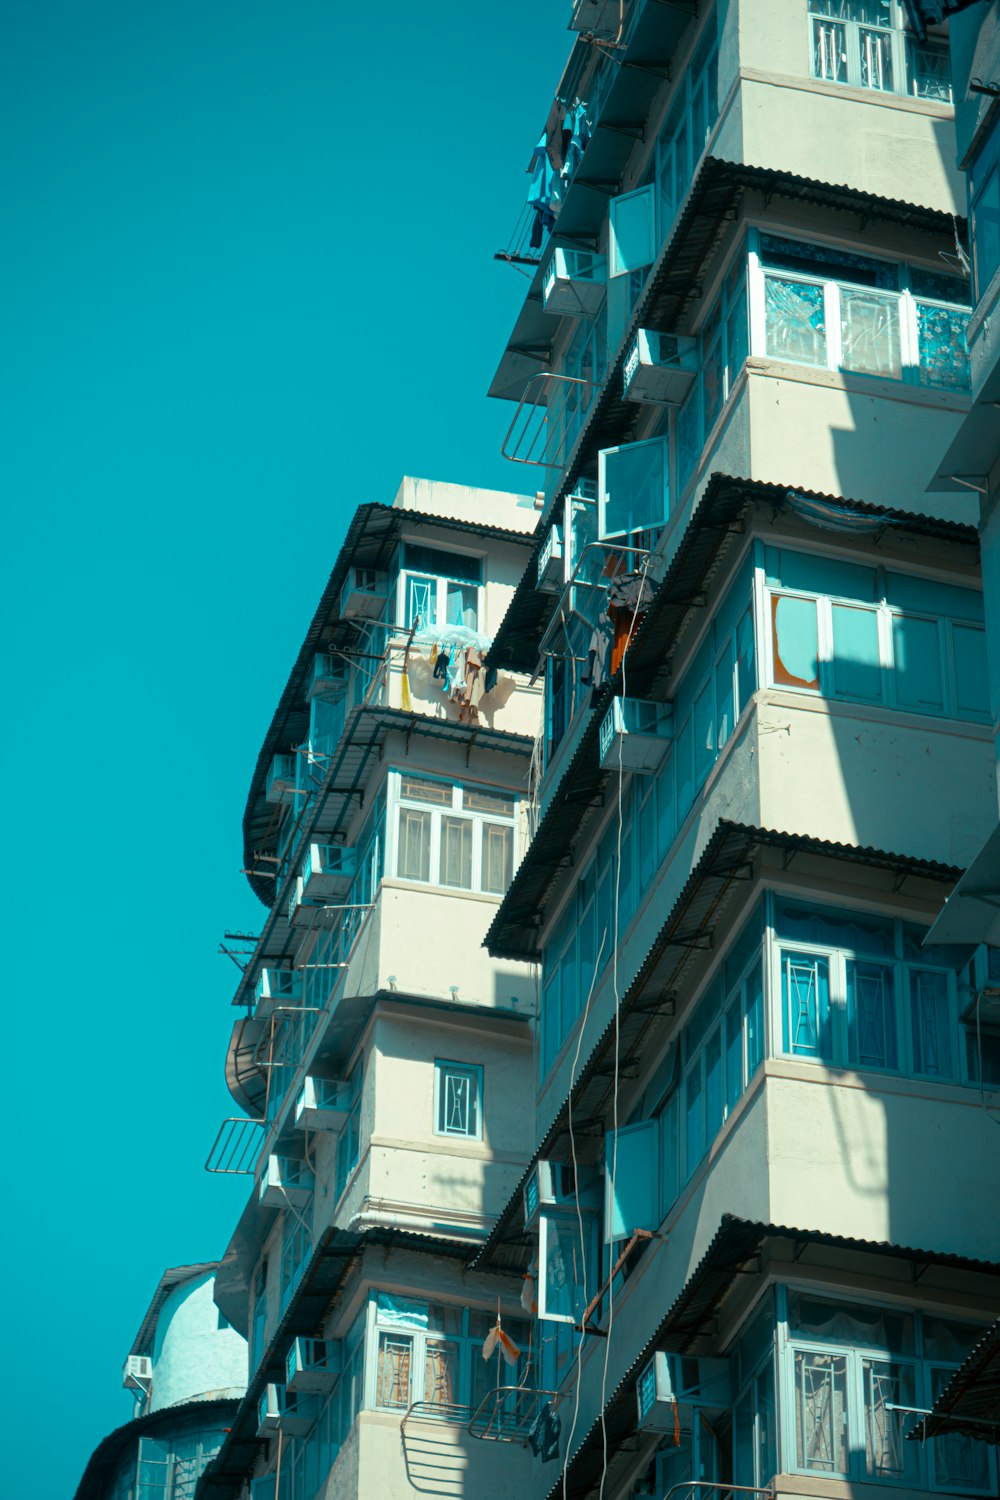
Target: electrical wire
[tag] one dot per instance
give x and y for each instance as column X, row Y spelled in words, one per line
column 617, row 1046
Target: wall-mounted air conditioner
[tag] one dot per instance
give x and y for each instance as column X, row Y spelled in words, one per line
column 327, row 677
column 277, row 987
column 328, row 870
column 322, row 1104
column 280, row 783
column 600, row 16
column 137, row 1373
column 659, row 368
column 285, row 1181
column 539, row 1190
column 671, row 1386
column 363, row 596
column 312, row 1364
column 575, row 283
column 277, row 1411
column 635, row 734
column 551, row 566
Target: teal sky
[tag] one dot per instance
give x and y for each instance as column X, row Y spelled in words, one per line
column 247, row 283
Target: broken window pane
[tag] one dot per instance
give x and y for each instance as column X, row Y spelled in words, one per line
column 795, row 320
column 795, row 642
column 869, row 332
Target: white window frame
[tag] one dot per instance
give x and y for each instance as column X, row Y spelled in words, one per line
column 440, row 582
column 455, row 809
column 833, row 285
column 900, row 37
column 443, row 1067
column 469, row 1347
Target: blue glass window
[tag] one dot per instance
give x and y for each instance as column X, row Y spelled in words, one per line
column 806, row 1005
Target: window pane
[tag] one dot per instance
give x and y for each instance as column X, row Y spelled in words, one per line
column 943, row 350
column 821, row 1412
column 633, row 228
column 795, row 641
column 498, row 857
column 876, row 59
column 461, row 606
column 829, row 51
column 734, row 1054
column 634, row 488
column 441, row 1372
column 713, row 1085
column 871, row 1012
column 746, row 677
column 694, row 1120
column 856, row 669
column 414, row 857
column 458, row 1100
column 930, row 73
column 795, row 322
column 806, row 994
column 887, row 1453
column 456, row 852
column 723, row 698
column 704, row 732
column 869, row 331
column 421, row 601
column 501, row 804
column 711, row 374
column 755, row 1021
column 816, row 1317
column 971, row 683
column 392, row 1387
column 930, row 1024
column 416, row 790
column 434, row 560
column 986, row 225
column 916, row 650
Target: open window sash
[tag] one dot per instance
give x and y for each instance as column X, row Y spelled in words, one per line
column 632, row 1176
column 632, row 231
column 633, row 488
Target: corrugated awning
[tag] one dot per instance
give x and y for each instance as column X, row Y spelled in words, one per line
column 970, row 1402
column 971, row 914
column 674, row 283
column 112, row 1450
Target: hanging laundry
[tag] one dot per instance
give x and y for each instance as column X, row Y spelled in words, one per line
column 543, row 1436
column 529, row 1294
column 441, row 664
column 497, row 1339
column 629, row 596
column 578, row 135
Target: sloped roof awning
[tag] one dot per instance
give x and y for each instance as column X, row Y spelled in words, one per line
column 971, row 914
column 970, row 1402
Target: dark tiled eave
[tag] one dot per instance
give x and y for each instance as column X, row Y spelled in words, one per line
column 675, row 281
column 321, row 1281
column 371, row 541
column 720, row 518
column 729, row 858
column 736, row 1242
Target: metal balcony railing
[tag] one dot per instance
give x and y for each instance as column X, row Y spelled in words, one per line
column 710, row 1489
column 435, row 1411
column 236, row 1146
column 507, row 1414
column 548, row 419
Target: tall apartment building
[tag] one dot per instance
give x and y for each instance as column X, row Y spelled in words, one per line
column 382, row 1058
column 761, row 1207
column 187, row 1371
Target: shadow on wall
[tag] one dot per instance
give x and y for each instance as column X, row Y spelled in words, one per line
column 434, row 1459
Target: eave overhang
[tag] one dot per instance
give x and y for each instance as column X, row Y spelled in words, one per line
column 110, row 1451
column 971, row 914
column 730, row 861
column 372, row 538
column 974, row 451
column 711, row 206
column 729, row 1259
column 719, row 520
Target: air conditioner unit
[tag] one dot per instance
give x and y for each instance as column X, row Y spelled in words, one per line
column 575, row 283
column 539, row 1191
column 313, row 1364
column 327, row 677
column 278, row 1411
column 363, row 595
column 328, row 870
column 323, row 1104
column 659, row 368
column 600, row 16
column 636, row 735
column 285, row 1181
column 551, row 567
column 137, row 1373
column 280, row 783
column 658, row 1407
column 277, row 987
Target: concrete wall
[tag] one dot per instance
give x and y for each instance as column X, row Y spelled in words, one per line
column 193, row 1358
column 464, row 502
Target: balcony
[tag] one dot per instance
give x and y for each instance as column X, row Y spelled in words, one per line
column 547, row 420
column 328, row 870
